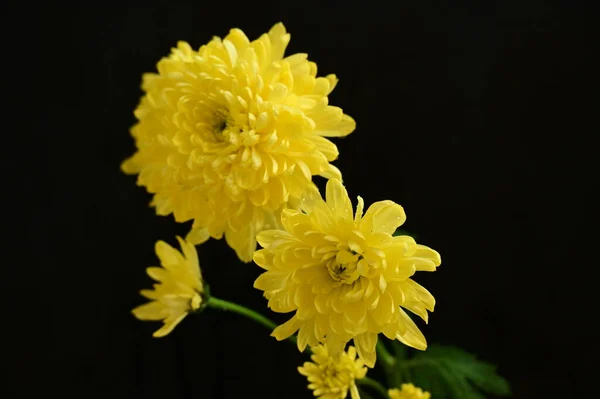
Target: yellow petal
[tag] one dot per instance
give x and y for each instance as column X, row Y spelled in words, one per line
column 242, row 241
column 365, row 346
column 427, row 258
column 231, row 52
column 309, row 198
column 131, row 166
column 384, row 217
column 359, row 209
column 335, row 344
column 420, row 294
column 326, row 147
column 332, row 82
column 296, row 223
column 189, row 251
column 331, row 172
column 323, row 218
column 304, row 336
column 332, row 122
column 272, row 238
column 271, row 281
column 150, row 294
column 384, row 310
column 263, row 258
column 150, row 311
column 357, row 313
column 168, row 255
column 413, row 336
column 354, row 392
column 279, row 41
column 338, row 200
column 238, row 38
column 158, row 273
column 345, row 257
column 197, row 235
column 286, row 329
column 170, row 323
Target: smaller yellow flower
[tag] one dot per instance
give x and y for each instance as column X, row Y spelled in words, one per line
column 332, row 378
column 179, row 289
column 409, row 391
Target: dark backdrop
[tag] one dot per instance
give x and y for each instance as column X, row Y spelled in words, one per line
column 472, row 116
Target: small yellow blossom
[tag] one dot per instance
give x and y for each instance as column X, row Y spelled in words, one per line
column 332, row 378
column 409, row 391
column 345, row 276
column 179, row 289
column 231, row 134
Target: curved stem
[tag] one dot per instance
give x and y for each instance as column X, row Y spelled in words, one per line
column 227, row 306
column 374, row 385
column 388, row 359
column 221, row 304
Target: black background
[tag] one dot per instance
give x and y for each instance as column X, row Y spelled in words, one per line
column 474, row 117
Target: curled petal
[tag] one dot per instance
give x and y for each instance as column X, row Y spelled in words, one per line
column 426, row 259
column 338, row 201
column 286, row 329
column 365, row 346
column 412, row 337
column 384, row 217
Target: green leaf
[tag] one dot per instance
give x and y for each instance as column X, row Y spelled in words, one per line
column 449, row 372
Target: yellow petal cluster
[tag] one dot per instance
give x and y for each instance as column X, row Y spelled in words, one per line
column 332, row 377
column 231, row 134
column 344, row 275
column 179, row 289
column 409, row 391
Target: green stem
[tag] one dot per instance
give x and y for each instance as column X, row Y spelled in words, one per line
column 388, row 359
column 227, row 306
column 221, row 304
column 374, row 385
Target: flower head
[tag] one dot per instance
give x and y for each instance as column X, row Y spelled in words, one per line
column 179, row 289
column 345, row 276
column 331, row 377
column 229, row 135
column 409, row 391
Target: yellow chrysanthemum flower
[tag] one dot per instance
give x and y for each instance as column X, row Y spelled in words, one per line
column 179, row 289
column 409, row 391
column 345, row 277
column 231, row 134
column 332, row 378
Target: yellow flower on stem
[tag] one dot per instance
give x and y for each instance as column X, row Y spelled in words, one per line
column 345, row 276
column 231, row 134
column 409, row 391
column 179, row 289
column 332, row 377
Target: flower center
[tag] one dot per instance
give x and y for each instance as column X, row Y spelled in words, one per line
column 225, row 127
column 220, row 123
column 335, row 377
column 220, row 126
column 343, row 267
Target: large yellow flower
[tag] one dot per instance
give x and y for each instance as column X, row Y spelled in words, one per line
column 332, row 378
column 409, row 391
column 345, row 276
column 231, row 134
column 179, row 289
